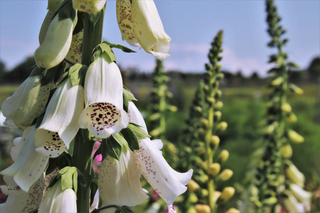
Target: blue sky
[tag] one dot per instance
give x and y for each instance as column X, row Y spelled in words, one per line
column 191, row 24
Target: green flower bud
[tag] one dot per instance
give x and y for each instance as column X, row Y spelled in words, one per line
column 286, row 107
column 204, row 192
column 193, row 186
column 202, row 208
column 286, row 151
column 155, row 132
column 270, row 201
column 215, row 196
column 220, row 76
column 291, row 117
column 233, row 210
column 214, row 142
column 191, row 210
column 222, row 126
column 227, row 193
column 217, row 116
column 53, row 5
column 193, row 198
column 225, row 175
column 214, row 169
column 210, row 101
column 295, row 89
column 277, row 81
column 294, row 136
column 223, row 157
column 218, row 94
column 218, row 105
column 204, row 123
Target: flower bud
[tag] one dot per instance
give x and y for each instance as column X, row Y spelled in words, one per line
column 44, row 27
column 233, row 210
column 191, row 210
column 291, row 117
column 217, row 116
column 286, row 107
column 222, row 126
column 210, row 101
column 202, row 208
column 227, row 193
column 277, row 81
column 215, row 196
column 223, row 157
column 225, row 175
column 53, row 5
column 204, row 123
column 220, row 76
column 295, row 89
column 270, row 201
column 286, row 151
column 155, row 132
column 204, row 192
column 214, row 169
column 218, row 105
column 214, row 142
column 193, row 198
column 295, row 175
column 294, row 136
column 193, row 186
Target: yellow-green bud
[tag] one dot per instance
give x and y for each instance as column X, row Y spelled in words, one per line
column 220, row 76
column 173, row 108
column 286, row 151
column 295, row 89
column 154, row 116
column 277, row 81
column 295, row 137
column 191, row 210
column 193, row 198
column 218, row 94
column 218, row 105
column 225, row 175
column 286, row 107
column 217, row 116
column 193, row 186
column 155, row 132
column 215, row 196
column 223, row 157
column 222, row 126
column 291, row 117
column 227, row 193
column 198, row 109
column 258, row 153
column 210, row 101
column 205, row 192
column 214, row 142
column 204, row 123
column 270, row 201
column 233, row 210
column 202, row 208
column 214, row 169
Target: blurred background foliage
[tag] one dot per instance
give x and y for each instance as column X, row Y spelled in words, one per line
column 243, row 99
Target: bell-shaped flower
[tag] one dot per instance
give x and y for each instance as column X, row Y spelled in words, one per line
column 119, row 182
column 61, row 120
column 26, row 103
column 140, row 25
column 103, row 91
column 29, row 164
column 168, row 183
column 74, row 54
column 302, row 195
column 58, row 201
column 19, row 201
column 88, row 6
column 294, row 174
column 292, row 205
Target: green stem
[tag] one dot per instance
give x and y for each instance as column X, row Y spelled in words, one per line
column 162, row 108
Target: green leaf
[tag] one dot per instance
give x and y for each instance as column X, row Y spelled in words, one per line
column 127, row 97
column 75, row 181
column 107, row 52
column 131, row 138
column 121, row 47
column 77, row 74
column 79, row 25
column 138, row 131
column 127, row 209
column 53, row 180
column 120, row 139
column 113, row 148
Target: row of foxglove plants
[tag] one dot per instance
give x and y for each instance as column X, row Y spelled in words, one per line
column 275, row 184
column 75, row 97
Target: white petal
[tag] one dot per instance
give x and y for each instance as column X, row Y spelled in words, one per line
column 95, row 203
column 2, row 119
column 61, row 121
column 136, row 117
column 18, row 143
column 168, row 183
column 24, row 202
column 119, row 181
column 104, row 114
column 29, row 165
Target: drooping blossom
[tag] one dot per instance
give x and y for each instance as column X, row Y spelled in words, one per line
column 61, row 121
column 140, row 25
column 103, row 114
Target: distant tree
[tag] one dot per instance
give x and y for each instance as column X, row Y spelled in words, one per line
column 254, row 76
column 314, row 68
column 3, row 70
column 19, row 73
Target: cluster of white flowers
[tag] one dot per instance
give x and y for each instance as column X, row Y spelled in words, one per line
column 51, row 124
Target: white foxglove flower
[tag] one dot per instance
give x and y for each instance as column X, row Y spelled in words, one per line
column 58, row 201
column 2, row 119
column 61, row 121
column 29, row 164
column 19, row 201
column 140, row 25
column 26, row 103
column 119, row 182
column 295, row 175
column 103, row 91
column 302, row 195
column 292, row 205
column 168, row 183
